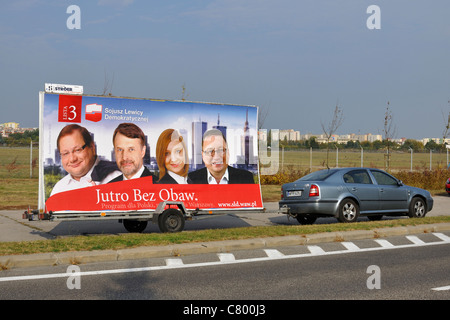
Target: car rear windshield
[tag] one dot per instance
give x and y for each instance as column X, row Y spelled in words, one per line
column 318, row 175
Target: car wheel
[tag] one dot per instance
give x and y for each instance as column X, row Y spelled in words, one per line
column 305, row 219
column 417, row 208
column 348, row 211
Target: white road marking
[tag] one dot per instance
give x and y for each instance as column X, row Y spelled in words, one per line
column 441, row 288
column 350, row 246
column 316, row 250
column 273, row 253
column 384, row 243
column 415, row 240
column 228, row 258
column 442, row 236
column 172, row 262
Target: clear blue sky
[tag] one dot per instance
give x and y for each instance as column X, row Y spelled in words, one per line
column 295, row 59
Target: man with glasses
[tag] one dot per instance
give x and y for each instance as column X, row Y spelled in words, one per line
column 215, row 156
column 79, row 159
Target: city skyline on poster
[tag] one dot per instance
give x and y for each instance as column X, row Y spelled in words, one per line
column 101, row 115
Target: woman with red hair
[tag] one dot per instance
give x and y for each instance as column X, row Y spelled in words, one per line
column 171, row 156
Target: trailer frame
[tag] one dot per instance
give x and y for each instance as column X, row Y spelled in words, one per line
column 170, row 216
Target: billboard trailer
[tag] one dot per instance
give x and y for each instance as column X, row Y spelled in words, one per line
column 139, row 160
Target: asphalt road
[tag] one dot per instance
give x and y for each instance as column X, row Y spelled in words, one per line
column 396, row 268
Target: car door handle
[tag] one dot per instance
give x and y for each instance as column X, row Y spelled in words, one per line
column 381, row 190
column 354, row 189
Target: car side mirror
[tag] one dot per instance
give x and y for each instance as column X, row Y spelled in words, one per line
column 399, row 183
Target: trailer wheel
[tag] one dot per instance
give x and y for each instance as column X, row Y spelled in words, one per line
column 171, row 220
column 134, row 225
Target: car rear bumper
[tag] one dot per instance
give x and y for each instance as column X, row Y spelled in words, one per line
column 314, row 207
column 430, row 202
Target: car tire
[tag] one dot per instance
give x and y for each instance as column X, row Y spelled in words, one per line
column 375, row 217
column 305, row 219
column 134, row 226
column 417, row 208
column 348, row 211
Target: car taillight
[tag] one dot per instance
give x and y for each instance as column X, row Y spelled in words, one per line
column 314, row 191
column 282, row 193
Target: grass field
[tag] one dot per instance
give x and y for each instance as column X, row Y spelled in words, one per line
column 317, row 159
column 18, row 189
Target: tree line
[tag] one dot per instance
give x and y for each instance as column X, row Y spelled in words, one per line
column 409, row 144
column 23, row 139
column 20, row 139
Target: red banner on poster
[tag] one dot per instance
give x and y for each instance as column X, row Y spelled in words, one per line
column 69, row 109
column 142, row 194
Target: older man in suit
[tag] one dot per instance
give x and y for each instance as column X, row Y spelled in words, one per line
column 215, row 156
column 129, row 148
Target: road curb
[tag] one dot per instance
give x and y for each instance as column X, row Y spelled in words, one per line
column 176, row 250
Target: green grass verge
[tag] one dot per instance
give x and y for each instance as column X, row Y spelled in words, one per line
column 131, row 240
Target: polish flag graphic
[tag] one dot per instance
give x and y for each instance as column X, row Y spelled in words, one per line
column 94, row 112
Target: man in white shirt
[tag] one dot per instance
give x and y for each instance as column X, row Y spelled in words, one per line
column 79, row 159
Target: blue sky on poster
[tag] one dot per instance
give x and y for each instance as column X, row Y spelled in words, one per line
column 294, row 59
column 153, row 117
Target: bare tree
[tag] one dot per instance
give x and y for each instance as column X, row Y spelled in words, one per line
column 389, row 132
column 183, row 93
column 262, row 115
column 336, row 122
column 446, row 131
column 108, row 84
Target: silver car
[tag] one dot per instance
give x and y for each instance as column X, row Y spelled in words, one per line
column 347, row 193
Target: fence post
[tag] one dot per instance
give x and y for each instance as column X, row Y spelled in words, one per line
column 31, row 158
column 310, row 159
column 411, row 159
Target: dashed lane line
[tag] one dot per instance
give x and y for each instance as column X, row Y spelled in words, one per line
column 384, row 243
column 228, row 258
column 316, row 250
column 446, row 288
column 350, row 246
column 274, row 254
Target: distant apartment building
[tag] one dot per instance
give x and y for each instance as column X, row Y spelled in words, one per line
column 289, row 135
column 437, row 140
column 293, row 135
column 10, row 125
column 286, row 134
column 344, row 138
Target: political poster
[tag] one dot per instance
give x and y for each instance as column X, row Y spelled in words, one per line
column 102, row 153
